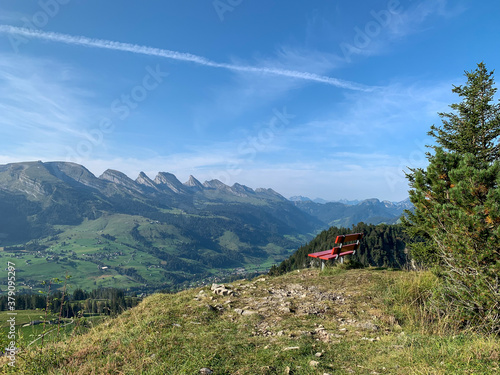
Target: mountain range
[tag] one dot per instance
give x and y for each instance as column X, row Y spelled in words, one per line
column 111, row 230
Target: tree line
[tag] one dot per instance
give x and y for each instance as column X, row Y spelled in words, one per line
column 382, row 246
column 108, row 301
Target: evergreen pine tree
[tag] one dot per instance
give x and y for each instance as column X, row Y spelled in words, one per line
column 475, row 127
column 457, row 210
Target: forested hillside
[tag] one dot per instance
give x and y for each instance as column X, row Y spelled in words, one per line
column 382, row 246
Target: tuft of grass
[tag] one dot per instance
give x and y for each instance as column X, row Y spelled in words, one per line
column 412, row 298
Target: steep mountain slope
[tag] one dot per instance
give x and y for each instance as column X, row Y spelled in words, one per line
column 114, row 231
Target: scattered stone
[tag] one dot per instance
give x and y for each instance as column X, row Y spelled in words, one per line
column 371, row 339
column 323, row 335
column 292, row 348
column 206, row 371
column 319, row 354
column 248, row 312
column 369, row 326
column 222, row 290
column 313, row 363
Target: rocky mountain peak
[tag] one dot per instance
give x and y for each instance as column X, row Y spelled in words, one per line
column 242, row 190
column 216, row 184
column 115, row 176
column 72, row 173
column 120, row 178
column 143, row 179
column 168, row 180
column 193, row 182
column 270, row 193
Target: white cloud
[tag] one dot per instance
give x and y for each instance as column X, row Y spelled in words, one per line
column 246, row 92
column 388, row 26
column 40, row 109
column 180, row 56
column 8, row 16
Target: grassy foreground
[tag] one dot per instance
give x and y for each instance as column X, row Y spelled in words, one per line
column 305, row 322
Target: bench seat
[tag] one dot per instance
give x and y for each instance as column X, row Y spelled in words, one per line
column 333, row 256
column 320, row 253
column 344, row 249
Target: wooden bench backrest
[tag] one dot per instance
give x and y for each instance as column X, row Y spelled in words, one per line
column 344, row 248
column 342, row 241
column 348, row 238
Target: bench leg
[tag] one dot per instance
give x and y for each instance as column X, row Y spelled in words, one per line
column 342, row 260
column 322, row 265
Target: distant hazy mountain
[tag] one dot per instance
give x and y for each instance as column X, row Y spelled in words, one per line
column 349, row 202
column 369, row 211
column 299, row 198
column 320, row 200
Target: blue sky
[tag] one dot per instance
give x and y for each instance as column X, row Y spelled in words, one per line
column 329, row 99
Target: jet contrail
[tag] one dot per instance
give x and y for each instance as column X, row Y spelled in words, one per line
column 174, row 55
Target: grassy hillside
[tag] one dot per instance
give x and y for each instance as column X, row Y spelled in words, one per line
column 145, row 254
column 304, row 322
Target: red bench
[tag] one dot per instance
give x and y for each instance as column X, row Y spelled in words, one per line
column 347, row 245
